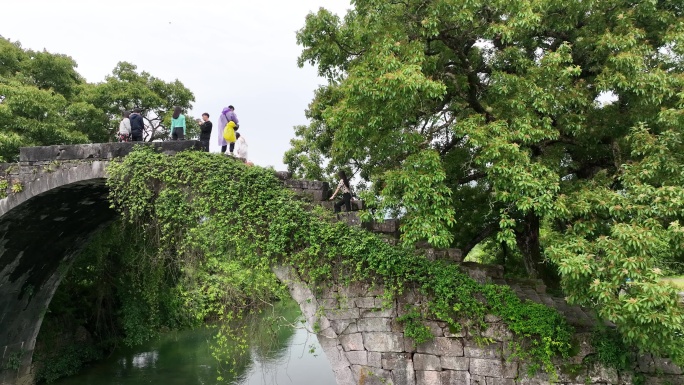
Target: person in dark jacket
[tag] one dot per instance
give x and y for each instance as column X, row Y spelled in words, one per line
column 137, row 125
column 205, row 131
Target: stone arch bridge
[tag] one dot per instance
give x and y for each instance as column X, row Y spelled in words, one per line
column 55, row 198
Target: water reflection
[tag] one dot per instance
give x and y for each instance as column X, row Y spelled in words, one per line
column 276, row 355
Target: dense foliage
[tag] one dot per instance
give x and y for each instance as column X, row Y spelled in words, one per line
column 44, row 101
column 205, row 209
column 552, row 127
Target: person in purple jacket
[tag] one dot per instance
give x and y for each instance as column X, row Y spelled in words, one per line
column 227, row 115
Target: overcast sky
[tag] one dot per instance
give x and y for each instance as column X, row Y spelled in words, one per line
column 239, row 52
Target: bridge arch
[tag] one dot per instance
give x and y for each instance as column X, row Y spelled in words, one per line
column 56, row 200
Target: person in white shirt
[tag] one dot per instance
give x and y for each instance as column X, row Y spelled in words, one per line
column 346, row 193
column 125, row 128
column 241, row 145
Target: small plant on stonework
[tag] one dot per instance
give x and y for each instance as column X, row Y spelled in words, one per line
column 50, row 167
column 414, row 328
column 17, row 188
column 13, row 361
column 4, row 184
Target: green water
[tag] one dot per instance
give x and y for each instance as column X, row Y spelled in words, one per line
column 278, row 353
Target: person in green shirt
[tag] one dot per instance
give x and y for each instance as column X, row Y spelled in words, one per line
column 178, row 125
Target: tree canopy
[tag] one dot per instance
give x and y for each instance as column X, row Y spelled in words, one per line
column 45, row 101
column 550, row 127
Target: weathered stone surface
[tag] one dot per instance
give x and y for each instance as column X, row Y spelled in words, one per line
column 344, row 326
column 442, row 346
column 344, row 376
column 391, row 361
column 374, row 325
column 499, row 381
column 666, row 366
column 336, row 356
column 378, row 313
column 375, row 359
column 352, row 341
column 599, row 373
column 99, row 150
column 358, row 357
column 350, row 314
column 426, row 362
column 368, row 302
column 383, row 342
column 478, row 380
column 471, row 349
column 428, row 377
column 493, row 368
column 497, row 332
column 371, row 376
column 404, row 375
column 435, row 329
column 455, row 363
column 451, row 377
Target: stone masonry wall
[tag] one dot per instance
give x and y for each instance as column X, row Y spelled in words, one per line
column 366, row 345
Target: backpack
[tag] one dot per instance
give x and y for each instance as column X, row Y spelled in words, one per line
column 229, row 132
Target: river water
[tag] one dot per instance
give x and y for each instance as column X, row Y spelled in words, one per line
column 279, row 353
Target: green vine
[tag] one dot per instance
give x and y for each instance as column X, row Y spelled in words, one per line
column 4, row 185
column 204, row 209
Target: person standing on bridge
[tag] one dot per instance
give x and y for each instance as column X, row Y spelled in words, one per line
column 177, row 124
column 205, row 132
column 137, row 125
column 227, row 115
column 241, row 146
column 125, row 128
column 346, row 193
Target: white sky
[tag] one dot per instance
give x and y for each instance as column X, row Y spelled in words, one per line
column 239, row 52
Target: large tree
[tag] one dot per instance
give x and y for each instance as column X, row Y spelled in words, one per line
column 495, row 119
column 41, row 102
column 126, row 89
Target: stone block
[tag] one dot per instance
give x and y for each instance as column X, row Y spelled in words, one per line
column 442, row 346
column 455, row 363
column 599, row 373
column 344, row 376
column 404, row 375
column 335, row 354
column 478, row 380
column 344, row 326
column 451, row 377
column 354, row 290
column 493, row 350
column 426, row 362
column 375, row 359
column 358, row 357
column 491, row 318
column 371, row 376
column 375, row 325
column 499, row 381
column 666, row 366
column 388, row 226
column 645, row 363
column 368, row 302
column 455, row 255
column 352, row 342
column 283, row 175
column 428, row 377
column 383, row 342
column 435, row 328
column 493, row 368
column 377, row 312
column 342, row 314
column 497, row 332
column 391, row 361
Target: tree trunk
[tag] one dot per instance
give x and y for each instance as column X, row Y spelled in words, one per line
column 527, row 238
